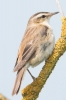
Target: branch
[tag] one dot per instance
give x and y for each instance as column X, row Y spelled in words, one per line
column 3, row 97
column 31, row 92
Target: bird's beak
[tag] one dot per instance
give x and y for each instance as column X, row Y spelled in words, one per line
column 51, row 14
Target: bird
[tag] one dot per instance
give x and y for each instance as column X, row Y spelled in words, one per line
column 36, row 46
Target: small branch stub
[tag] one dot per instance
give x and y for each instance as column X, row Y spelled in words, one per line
column 60, row 9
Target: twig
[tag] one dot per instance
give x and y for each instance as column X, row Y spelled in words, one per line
column 60, row 9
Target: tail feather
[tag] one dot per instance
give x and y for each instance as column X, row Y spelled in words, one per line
column 18, row 81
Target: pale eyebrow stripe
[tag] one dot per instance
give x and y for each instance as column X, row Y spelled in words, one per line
column 38, row 14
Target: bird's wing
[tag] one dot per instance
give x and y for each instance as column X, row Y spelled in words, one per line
column 28, row 45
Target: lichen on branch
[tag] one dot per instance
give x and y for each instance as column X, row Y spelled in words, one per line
column 31, row 92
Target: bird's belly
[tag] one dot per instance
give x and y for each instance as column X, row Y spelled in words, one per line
column 42, row 53
column 48, row 51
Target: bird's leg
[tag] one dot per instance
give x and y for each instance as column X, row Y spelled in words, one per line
column 31, row 74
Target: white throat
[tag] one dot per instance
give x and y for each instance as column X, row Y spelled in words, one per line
column 46, row 23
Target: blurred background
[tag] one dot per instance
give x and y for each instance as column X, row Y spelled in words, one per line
column 14, row 15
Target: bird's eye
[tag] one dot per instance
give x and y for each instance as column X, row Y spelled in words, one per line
column 43, row 16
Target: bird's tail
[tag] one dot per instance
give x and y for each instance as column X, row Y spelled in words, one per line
column 18, row 81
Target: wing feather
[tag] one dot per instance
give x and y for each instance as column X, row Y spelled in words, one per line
column 29, row 44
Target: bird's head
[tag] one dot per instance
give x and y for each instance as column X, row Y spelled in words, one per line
column 41, row 17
